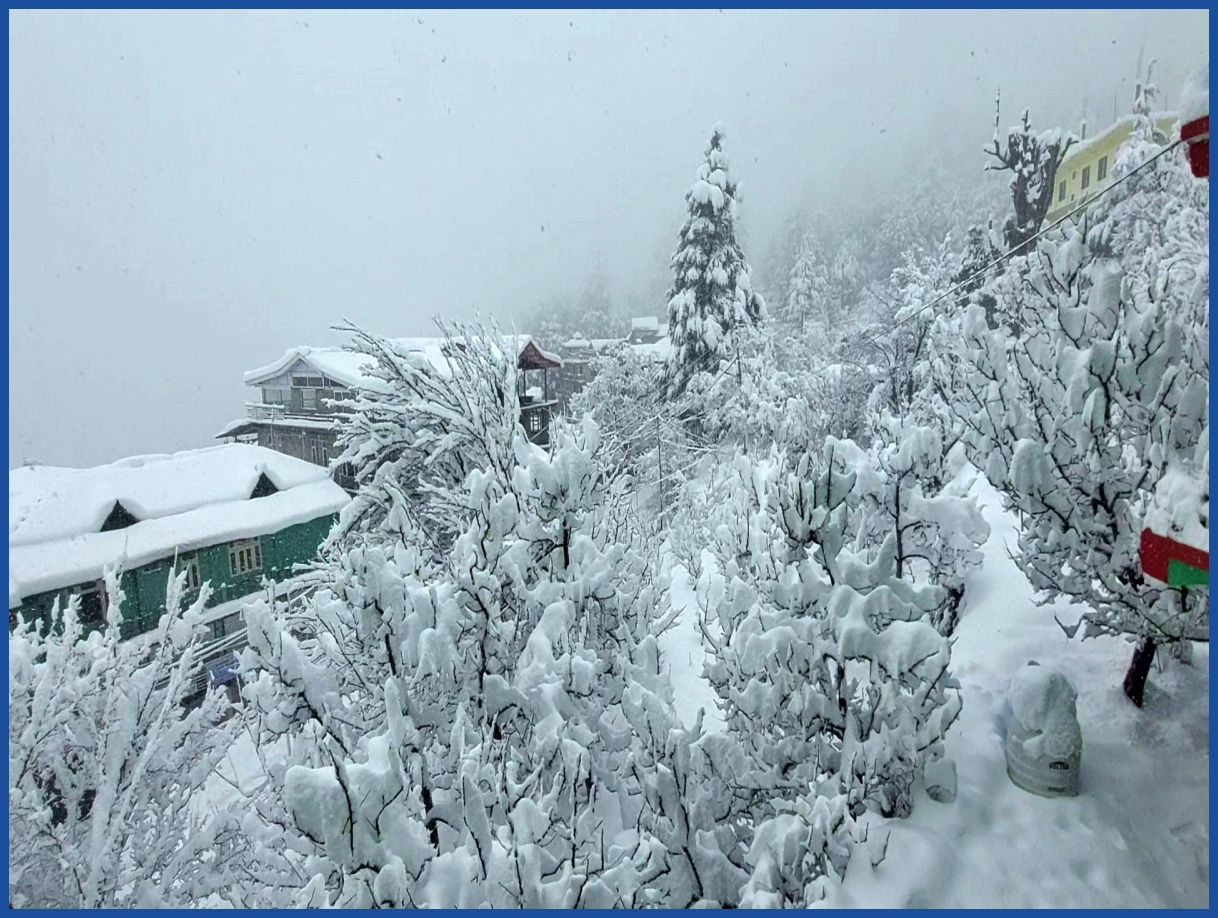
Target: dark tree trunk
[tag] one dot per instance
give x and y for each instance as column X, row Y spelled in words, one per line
column 1139, row 669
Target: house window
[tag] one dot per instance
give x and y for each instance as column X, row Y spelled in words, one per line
column 190, row 564
column 222, row 627
column 92, row 608
column 244, row 557
column 1061, row 192
column 1086, row 177
column 315, row 452
column 533, row 419
column 276, row 396
column 309, row 382
column 308, row 399
column 1101, row 169
column 325, row 457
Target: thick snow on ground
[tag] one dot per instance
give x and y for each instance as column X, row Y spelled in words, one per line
column 1137, row 836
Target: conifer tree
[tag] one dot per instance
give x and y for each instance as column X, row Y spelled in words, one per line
column 712, row 293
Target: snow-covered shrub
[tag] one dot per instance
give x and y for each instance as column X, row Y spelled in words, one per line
column 913, row 492
column 105, row 763
column 712, row 293
column 418, row 432
column 455, row 717
column 1105, row 387
column 827, row 669
column 675, row 784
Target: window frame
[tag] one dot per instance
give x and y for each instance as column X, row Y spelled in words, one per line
column 245, row 557
column 190, row 564
column 1086, row 179
column 285, row 396
column 1061, row 191
column 1101, row 168
column 97, row 588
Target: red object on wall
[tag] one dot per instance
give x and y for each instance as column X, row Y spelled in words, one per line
column 1157, row 552
column 1197, row 135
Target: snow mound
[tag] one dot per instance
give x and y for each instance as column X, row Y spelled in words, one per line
column 1044, row 702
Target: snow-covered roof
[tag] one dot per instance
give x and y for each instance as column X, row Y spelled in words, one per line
column 352, row 368
column 1163, row 120
column 280, row 423
column 645, row 323
column 346, row 367
column 182, row 502
column 656, row 350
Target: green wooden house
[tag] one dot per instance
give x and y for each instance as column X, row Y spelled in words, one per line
column 234, row 516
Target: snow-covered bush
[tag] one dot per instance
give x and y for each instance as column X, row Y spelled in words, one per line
column 910, row 490
column 455, row 718
column 1106, row 385
column 712, row 293
column 827, row 669
column 105, row 763
column 420, row 429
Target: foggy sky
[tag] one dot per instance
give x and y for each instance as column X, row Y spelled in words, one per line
column 193, row 193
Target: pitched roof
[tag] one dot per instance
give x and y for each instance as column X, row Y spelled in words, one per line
column 352, row 368
column 181, row 502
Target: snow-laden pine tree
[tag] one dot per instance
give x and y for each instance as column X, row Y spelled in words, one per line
column 1105, row 388
column 712, row 293
column 809, row 289
column 106, row 766
column 831, row 678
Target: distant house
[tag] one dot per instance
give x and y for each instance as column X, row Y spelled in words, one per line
column 1087, row 169
column 577, row 371
column 537, row 402
column 232, row 515
column 646, row 330
column 296, row 403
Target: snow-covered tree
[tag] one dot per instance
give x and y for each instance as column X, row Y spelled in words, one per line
column 980, row 252
column 1106, row 387
column 827, row 669
column 106, row 765
column 809, row 293
column 911, row 489
column 712, row 293
column 455, row 717
column 415, row 437
column 1033, row 160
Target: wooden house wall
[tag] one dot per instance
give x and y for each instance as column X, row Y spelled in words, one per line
column 144, row 588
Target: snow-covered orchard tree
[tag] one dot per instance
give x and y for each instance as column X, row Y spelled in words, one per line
column 712, row 293
column 911, row 490
column 106, row 764
column 1079, row 418
column 827, row 670
column 414, row 435
column 451, row 716
column 1033, row 160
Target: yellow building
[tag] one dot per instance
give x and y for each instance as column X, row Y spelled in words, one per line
column 1087, row 168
